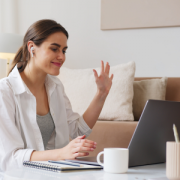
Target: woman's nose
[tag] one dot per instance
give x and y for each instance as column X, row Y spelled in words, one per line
column 61, row 56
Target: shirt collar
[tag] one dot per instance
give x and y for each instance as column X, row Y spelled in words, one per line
column 20, row 87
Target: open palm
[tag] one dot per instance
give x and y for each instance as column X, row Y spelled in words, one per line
column 103, row 81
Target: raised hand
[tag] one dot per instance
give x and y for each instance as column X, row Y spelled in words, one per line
column 103, row 81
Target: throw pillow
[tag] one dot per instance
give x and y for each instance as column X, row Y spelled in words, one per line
column 81, row 88
column 145, row 90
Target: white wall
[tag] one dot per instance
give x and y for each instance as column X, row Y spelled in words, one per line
column 156, row 51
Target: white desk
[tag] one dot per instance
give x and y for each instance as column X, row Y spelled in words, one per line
column 136, row 173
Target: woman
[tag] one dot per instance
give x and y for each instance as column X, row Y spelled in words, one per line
column 36, row 115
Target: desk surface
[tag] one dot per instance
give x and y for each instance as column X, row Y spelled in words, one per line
column 136, row 173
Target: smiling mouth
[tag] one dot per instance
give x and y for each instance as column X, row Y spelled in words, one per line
column 56, row 64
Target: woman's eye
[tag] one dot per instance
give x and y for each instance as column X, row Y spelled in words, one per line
column 54, row 50
column 64, row 52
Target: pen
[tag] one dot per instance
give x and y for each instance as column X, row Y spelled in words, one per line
column 65, row 163
column 175, row 133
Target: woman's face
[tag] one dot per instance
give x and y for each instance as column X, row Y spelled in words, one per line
column 50, row 55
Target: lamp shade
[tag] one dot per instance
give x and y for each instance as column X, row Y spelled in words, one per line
column 10, row 43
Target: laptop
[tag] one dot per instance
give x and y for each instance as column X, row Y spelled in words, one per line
column 155, row 128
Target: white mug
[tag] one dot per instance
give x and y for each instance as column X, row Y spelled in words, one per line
column 115, row 160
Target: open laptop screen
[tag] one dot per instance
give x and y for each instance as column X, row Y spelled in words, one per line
column 155, row 128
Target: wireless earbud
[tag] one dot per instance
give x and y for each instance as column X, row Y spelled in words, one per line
column 32, row 48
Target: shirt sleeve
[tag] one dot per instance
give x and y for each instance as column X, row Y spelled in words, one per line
column 12, row 152
column 76, row 123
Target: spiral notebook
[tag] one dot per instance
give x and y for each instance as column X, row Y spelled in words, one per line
column 48, row 166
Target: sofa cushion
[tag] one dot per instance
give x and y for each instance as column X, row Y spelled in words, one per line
column 81, row 88
column 145, row 90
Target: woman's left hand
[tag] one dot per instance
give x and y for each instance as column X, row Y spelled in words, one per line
column 103, row 81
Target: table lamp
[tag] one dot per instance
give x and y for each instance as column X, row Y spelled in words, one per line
column 9, row 45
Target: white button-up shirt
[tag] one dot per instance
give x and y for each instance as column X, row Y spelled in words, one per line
column 19, row 131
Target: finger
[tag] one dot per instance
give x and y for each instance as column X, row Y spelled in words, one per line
column 107, row 67
column 79, row 140
column 88, row 141
column 81, row 137
column 80, row 154
column 82, row 141
column 102, row 67
column 85, row 145
column 111, row 77
column 95, row 73
column 78, row 149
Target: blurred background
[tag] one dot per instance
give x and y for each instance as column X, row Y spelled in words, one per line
column 156, row 51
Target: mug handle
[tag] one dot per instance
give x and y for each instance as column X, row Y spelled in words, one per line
column 98, row 158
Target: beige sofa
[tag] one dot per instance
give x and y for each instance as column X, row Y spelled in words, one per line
column 119, row 133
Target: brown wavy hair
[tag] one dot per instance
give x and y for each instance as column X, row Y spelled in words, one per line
column 37, row 32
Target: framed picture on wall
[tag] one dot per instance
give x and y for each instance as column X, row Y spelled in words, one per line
column 132, row 14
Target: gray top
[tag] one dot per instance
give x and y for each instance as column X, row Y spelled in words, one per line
column 46, row 126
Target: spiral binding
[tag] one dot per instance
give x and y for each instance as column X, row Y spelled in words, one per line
column 42, row 166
